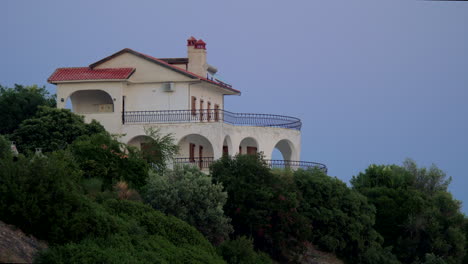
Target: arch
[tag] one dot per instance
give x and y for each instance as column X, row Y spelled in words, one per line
column 91, row 101
column 227, row 146
column 196, row 149
column 286, row 148
column 248, row 145
column 138, row 141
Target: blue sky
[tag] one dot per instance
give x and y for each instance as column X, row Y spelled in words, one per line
column 374, row 81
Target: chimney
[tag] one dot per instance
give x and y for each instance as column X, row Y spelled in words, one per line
column 196, row 53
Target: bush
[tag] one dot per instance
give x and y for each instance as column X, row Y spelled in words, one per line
column 5, row 146
column 241, row 251
column 20, row 103
column 149, row 237
column 52, row 129
column 341, row 218
column 262, row 205
column 41, row 196
column 190, row 195
column 416, row 214
column 101, row 156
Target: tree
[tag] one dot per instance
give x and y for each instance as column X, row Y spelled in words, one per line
column 41, row 196
column 341, row 219
column 52, row 129
column 20, row 103
column 241, row 251
column 190, row 195
column 159, row 149
column 5, row 147
column 416, row 214
column 262, row 205
column 102, row 156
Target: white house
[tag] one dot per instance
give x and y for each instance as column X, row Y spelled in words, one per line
column 129, row 91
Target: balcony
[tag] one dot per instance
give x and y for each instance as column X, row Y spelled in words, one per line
column 210, row 115
column 205, row 162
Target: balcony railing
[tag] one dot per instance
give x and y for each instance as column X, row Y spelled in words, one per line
column 205, row 162
column 210, row 115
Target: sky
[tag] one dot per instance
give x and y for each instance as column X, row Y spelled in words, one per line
column 373, row 81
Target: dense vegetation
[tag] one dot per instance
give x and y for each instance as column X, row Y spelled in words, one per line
column 94, row 199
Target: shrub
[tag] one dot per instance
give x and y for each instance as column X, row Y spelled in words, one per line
column 190, row 195
column 52, row 129
column 341, row 218
column 262, row 205
column 241, row 251
column 416, row 214
column 41, row 196
column 149, row 237
column 101, row 156
column 20, row 103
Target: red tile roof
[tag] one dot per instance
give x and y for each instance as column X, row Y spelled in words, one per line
column 87, row 73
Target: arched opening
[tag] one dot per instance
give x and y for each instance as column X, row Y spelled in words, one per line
column 195, row 149
column 90, row 101
column 139, row 141
column 248, row 146
column 284, row 150
column 227, row 146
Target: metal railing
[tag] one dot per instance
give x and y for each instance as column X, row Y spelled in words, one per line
column 202, row 163
column 210, row 115
column 294, row 164
column 205, row 163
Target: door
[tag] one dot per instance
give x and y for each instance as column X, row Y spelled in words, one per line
column 251, row 151
column 200, row 156
column 192, row 152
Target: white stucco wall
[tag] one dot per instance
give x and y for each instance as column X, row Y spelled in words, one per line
column 152, row 97
column 266, row 137
column 207, row 94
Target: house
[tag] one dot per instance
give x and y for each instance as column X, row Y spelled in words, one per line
column 129, row 91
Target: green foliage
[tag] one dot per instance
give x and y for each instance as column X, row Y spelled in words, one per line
column 415, row 213
column 101, row 156
column 262, row 205
column 342, row 219
column 150, row 237
column 241, row 251
column 190, row 195
column 40, row 196
column 158, row 149
column 52, row 129
column 20, row 103
column 5, row 148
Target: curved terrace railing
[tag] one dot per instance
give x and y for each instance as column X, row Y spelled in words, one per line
column 210, row 115
column 205, row 162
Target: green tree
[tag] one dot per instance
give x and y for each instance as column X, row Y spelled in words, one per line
column 262, row 205
column 102, row 156
column 241, row 251
column 415, row 213
column 190, row 195
column 341, row 219
column 52, row 129
column 158, row 149
column 41, row 196
column 5, row 146
column 20, row 103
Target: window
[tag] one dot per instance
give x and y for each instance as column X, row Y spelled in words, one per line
column 201, row 110
column 208, row 111
column 194, row 105
column 192, row 152
column 216, row 113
